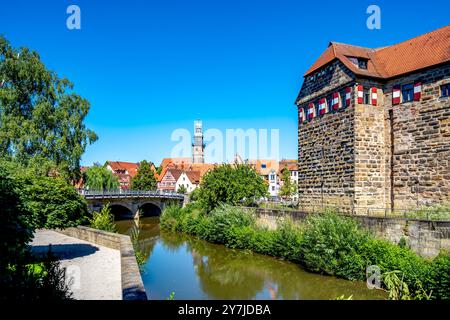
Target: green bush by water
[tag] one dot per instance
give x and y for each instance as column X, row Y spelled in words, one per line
column 103, row 220
column 326, row 243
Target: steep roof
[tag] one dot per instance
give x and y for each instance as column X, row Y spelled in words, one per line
column 129, row 167
column 194, row 176
column 291, row 165
column 264, row 166
column 418, row 53
column 175, row 161
column 176, row 173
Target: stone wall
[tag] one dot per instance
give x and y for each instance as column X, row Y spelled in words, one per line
column 326, row 145
column 370, row 166
column 426, row 238
column 421, row 134
column 383, row 156
column 132, row 285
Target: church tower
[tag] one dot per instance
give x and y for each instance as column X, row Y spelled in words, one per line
column 198, row 146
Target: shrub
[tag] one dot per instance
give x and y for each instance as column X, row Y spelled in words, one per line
column 287, row 241
column 223, row 220
column 331, row 245
column 170, row 217
column 390, row 257
column 439, row 277
column 103, row 220
column 263, row 239
column 240, row 237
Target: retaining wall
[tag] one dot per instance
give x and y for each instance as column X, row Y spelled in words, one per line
column 426, row 238
column 132, row 285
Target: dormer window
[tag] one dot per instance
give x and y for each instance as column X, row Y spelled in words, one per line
column 362, row 63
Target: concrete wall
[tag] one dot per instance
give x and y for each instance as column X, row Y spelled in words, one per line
column 426, row 238
column 132, row 285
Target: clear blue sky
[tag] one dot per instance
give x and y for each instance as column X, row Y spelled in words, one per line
column 149, row 67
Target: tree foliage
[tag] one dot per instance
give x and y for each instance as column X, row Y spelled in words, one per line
column 145, row 178
column 21, row 276
column 52, row 202
column 288, row 188
column 103, row 220
column 182, row 189
column 231, row 184
column 15, row 231
column 41, row 118
column 98, row 177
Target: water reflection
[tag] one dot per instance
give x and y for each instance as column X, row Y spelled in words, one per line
column 196, row 269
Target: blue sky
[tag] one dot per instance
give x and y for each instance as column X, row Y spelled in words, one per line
column 150, row 67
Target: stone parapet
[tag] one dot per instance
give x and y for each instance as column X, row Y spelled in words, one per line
column 132, row 285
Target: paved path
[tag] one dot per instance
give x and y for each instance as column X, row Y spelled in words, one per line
column 98, row 267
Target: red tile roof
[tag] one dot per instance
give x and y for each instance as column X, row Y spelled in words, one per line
column 264, row 166
column 194, row 176
column 175, row 161
column 418, row 53
column 292, row 165
column 129, row 167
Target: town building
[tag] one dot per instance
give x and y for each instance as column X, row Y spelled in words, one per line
column 292, row 167
column 374, row 126
column 270, row 170
column 173, row 175
column 190, row 180
column 168, row 179
column 124, row 171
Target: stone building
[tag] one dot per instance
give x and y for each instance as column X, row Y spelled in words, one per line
column 374, row 125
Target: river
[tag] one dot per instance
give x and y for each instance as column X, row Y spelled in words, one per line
column 195, row 269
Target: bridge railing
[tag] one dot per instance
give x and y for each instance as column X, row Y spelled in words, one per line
column 92, row 194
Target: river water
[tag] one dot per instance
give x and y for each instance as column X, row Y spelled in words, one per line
column 195, row 269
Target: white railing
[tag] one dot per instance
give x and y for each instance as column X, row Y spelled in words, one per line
column 98, row 194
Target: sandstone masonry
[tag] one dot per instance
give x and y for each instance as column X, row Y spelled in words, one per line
column 375, row 154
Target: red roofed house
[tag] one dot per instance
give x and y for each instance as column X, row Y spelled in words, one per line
column 124, row 171
column 168, row 179
column 382, row 138
column 190, row 180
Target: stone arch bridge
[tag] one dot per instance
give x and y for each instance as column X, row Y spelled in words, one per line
column 129, row 204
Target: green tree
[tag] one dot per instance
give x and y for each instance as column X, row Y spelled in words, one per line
column 53, row 202
column 288, row 188
column 182, row 189
column 98, row 177
column 15, row 229
column 145, row 178
column 231, row 184
column 22, row 276
column 41, row 118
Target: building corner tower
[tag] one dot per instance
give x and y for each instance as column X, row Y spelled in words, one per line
column 198, row 146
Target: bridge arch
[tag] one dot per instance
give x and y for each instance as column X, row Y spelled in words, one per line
column 150, row 209
column 121, row 211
